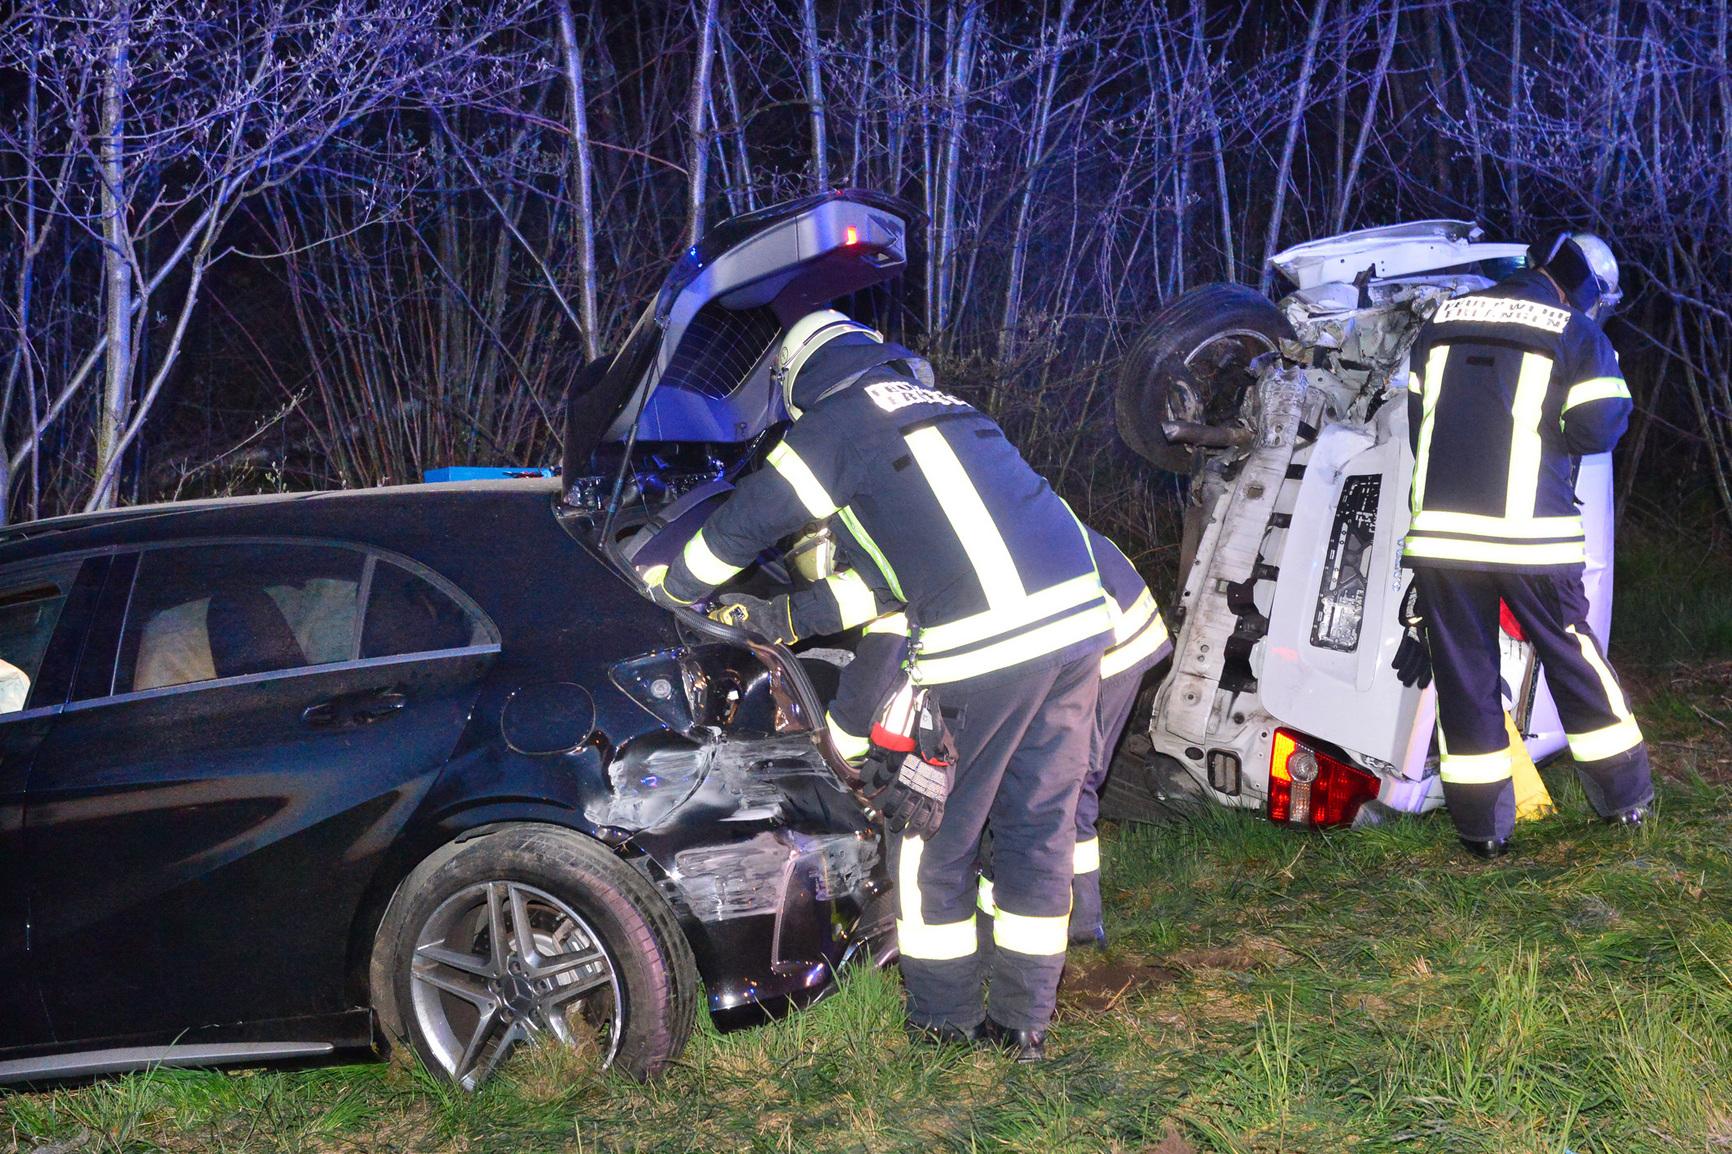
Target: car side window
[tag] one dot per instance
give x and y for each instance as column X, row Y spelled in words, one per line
column 406, row 613
column 208, row 611
column 30, row 606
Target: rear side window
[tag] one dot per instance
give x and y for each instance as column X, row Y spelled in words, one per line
column 30, row 607
column 204, row 612
column 406, row 613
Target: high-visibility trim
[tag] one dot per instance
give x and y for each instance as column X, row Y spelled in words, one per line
column 1619, row 737
column 1015, row 650
column 969, row 519
column 1087, row 858
column 1127, row 624
column 1475, row 768
column 872, row 550
column 1482, row 525
column 656, row 577
column 1608, row 682
column 851, row 746
column 1435, row 363
column 1129, row 653
column 1525, row 450
column 1052, row 600
column 704, row 564
column 896, row 623
column 1497, row 552
column 1023, row 934
column 1478, row 310
column 1414, row 383
column 984, row 899
column 855, row 602
column 915, row 937
column 802, row 480
column 1596, row 389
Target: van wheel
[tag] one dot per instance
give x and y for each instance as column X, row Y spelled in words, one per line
column 1193, row 363
column 532, row 934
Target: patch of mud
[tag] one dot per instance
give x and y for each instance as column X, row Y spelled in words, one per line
column 1100, row 984
column 1172, row 1142
column 1242, row 957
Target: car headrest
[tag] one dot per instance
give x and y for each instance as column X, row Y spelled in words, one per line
column 249, row 634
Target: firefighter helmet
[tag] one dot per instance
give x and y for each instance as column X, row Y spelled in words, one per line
column 805, row 337
column 1584, row 268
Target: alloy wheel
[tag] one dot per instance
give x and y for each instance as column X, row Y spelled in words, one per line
column 500, row 963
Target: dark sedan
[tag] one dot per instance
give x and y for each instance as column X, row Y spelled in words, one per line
column 282, row 777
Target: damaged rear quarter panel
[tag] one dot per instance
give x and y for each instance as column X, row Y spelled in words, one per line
column 770, row 864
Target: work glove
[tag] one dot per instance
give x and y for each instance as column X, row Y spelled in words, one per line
column 772, row 620
column 910, row 789
column 654, row 579
column 1412, row 662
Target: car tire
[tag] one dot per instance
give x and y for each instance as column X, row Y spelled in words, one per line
column 593, row 954
column 1193, row 362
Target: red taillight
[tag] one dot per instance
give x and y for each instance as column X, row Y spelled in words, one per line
column 1311, row 788
column 853, row 235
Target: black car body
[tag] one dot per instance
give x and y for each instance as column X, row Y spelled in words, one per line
column 254, row 726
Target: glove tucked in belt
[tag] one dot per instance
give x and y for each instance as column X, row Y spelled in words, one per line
column 911, row 768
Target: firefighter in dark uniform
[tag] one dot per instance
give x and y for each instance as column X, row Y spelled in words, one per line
column 1509, row 388
column 1007, row 622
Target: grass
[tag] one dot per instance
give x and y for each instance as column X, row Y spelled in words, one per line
column 1265, row 992
column 1368, row 990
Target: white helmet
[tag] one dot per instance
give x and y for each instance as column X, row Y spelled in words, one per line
column 1603, row 265
column 805, row 337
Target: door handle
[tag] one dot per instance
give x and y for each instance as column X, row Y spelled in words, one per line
column 379, row 705
column 349, row 710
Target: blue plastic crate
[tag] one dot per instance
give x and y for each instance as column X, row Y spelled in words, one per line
column 484, row 473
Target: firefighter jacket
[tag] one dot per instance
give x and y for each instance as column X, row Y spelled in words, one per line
column 993, row 568
column 1508, row 388
column 1140, row 639
column 854, row 595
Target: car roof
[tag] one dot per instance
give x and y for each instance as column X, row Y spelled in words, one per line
column 31, row 539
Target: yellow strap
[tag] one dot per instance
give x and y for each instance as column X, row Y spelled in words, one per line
column 1618, row 737
column 854, row 600
column 1497, row 552
column 969, row 519
column 915, row 937
column 1121, row 657
column 851, row 746
column 704, row 564
column 1092, row 622
column 1088, row 856
column 1596, row 389
column 1525, row 451
column 1474, row 768
column 802, row 480
column 1036, row 936
column 1034, row 607
column 896, row 623
column 1435, row 364
column 1479, row 524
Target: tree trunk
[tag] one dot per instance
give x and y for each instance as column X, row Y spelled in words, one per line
column 1295, row 120
column 815, row 92
column 742, row 158
column 583, row 180
column 1385, row 51
column 698, row 168
column 117, row 278
column 1033, row 157
column 956, row 120
column 1512, row 165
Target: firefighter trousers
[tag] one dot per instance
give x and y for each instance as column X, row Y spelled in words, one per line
column 1022, row 739
column 1118, row 696
column 1461, row 619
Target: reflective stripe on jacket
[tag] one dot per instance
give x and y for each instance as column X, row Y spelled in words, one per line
column 1507, row 388
column 993, row 568
column 1140, row 640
